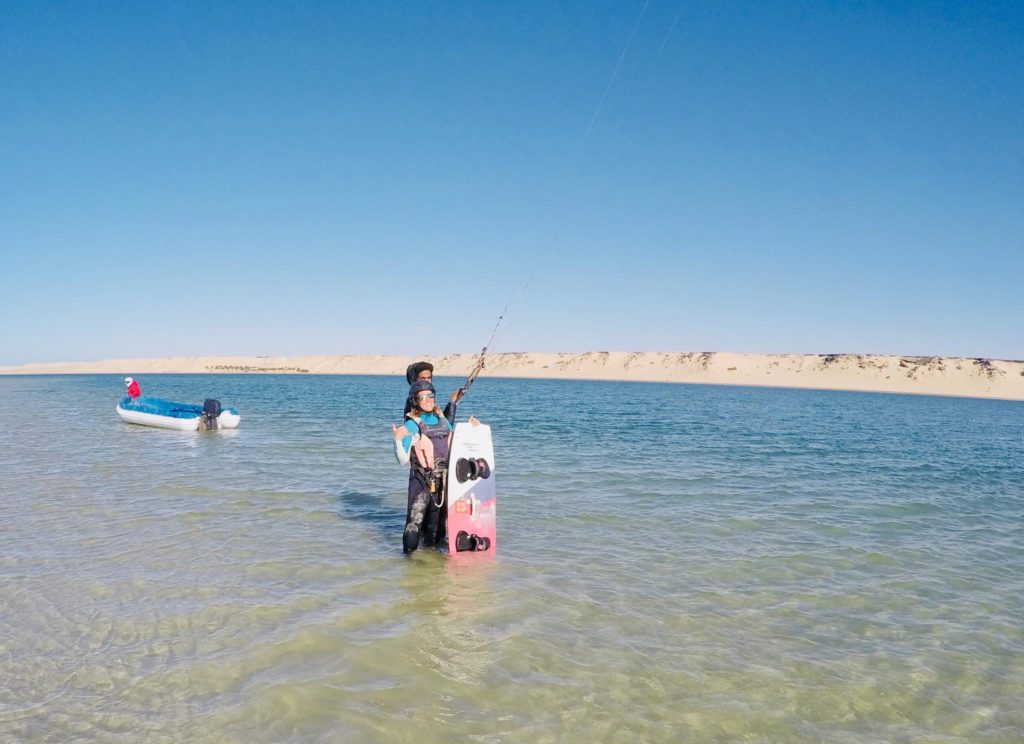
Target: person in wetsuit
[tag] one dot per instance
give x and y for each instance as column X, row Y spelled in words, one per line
column 426, row 484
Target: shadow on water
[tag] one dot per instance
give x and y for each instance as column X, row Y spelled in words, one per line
column 372, row 509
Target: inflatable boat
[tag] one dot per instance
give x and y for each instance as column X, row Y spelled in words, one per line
column 182, row 416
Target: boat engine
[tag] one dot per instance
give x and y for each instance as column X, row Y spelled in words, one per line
column 211, row 411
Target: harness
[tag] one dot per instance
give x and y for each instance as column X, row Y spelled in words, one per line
column 434, row 480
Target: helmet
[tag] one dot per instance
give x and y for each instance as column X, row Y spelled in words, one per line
column 127, row 380
column 413, row 370
column 418, row 387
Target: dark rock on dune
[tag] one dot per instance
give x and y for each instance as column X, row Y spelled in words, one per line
column 985, row 367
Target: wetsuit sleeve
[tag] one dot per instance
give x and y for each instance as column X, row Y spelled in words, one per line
column 449, row 411
column 403, row 446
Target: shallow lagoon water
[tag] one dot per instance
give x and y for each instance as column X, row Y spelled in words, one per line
column 677, row 563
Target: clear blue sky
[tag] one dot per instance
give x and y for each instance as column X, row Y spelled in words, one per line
column 329, row 178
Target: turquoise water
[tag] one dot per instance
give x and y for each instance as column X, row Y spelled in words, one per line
column 677, row 563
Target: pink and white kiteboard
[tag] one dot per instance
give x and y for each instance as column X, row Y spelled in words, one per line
column 471, row 495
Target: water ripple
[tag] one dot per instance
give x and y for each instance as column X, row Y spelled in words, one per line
column 676, row 563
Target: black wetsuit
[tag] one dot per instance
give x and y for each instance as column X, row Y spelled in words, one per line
column 426, row 511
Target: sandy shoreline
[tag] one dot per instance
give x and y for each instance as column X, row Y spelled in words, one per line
column 976, row 378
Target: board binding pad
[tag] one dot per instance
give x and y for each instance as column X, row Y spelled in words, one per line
column 471, row 494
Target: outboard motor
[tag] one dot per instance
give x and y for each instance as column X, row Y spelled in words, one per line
column 211, row 411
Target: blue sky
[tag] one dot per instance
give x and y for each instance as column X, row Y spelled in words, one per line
column 331, row 178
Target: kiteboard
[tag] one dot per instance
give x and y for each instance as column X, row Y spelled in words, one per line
column 471, row 494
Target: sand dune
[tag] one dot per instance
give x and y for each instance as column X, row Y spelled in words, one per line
column 980, row 378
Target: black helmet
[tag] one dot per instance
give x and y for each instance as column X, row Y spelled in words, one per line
column 418, row 387
column 413, row 370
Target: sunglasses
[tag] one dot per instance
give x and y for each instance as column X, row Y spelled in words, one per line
column 424, row 396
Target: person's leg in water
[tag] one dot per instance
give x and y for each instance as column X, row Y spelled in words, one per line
column 442, row 513
column 429, row 531
column 420, row 517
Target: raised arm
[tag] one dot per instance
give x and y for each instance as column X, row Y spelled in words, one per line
column 453, row 404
